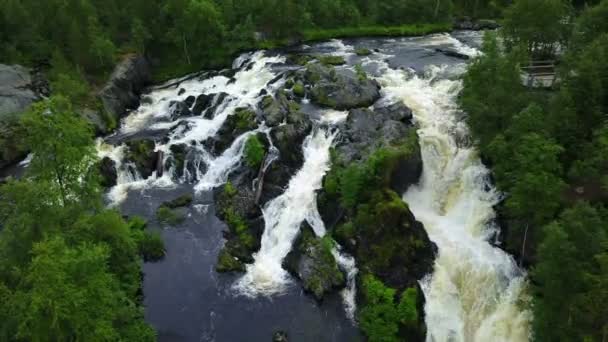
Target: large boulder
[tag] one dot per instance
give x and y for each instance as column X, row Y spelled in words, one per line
column 242, row 121
column 340, row 90
column 18, row 90
column 142, row 153
column 312, row 261
column 121, row 92
column 108, row 172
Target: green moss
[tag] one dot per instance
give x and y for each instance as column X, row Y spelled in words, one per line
column 229, row 190
column 361, row 74
column 181, row 201
column 245, row 119
column 254, row 152
column 363, row 52
column 172, row 217
column 152, row 247
column 228, row 263
column 332, row 60
column 299, row 90
column 299, row 59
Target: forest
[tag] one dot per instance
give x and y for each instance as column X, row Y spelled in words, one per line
column 70, row 269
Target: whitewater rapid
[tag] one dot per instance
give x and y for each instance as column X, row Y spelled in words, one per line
column 476, row 292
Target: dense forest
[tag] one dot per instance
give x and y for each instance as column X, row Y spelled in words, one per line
column 70, row 269
column 548, row 152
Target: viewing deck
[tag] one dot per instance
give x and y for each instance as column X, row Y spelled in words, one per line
column 539, row 74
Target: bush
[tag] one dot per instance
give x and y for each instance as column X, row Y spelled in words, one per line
column 152, row 247
column 363, row 52
column 332, row 60
column 254, row 152
column 298, row 90
column 169, row 216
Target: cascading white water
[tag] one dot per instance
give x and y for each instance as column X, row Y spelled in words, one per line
column 476, row 290
column 155, row 113
column 283, row 217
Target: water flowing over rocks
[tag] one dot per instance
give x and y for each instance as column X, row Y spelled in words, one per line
column 297, row 172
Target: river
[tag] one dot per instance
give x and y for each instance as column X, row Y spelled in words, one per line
column 475, row 291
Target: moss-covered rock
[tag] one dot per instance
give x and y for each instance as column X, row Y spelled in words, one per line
column 255, row 150
column 363, row 52
column 181, row 201
column 228, row 263
column 141, row 153
column 312, row 262
column 151, row 247
column 108, row 172
column 299, row 90
column 341, row 91
column 171, row 217
column 243, row 120
column 332, row 60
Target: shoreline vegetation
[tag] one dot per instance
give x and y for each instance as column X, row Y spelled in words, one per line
column 168, row 70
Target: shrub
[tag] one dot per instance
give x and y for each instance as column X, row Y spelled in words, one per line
column 363, row 52
column 254, row 152
column 169, row 216
column 152, row 247
column 332, row 60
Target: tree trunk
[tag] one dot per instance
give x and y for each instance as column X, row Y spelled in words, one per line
column 186, row 49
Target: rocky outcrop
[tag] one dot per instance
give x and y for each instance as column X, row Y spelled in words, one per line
column 469, row 24
column 339, row 90
column 108, row 172
column 142, row 154
column 121, row 92
column 242, row 121
column 19, row 88
column 312, row 262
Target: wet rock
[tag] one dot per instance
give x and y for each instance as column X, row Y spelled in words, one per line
column 452, row 53
column 218, row 99
column 179, row 109
column 142, row 154
column 242, row 121
column 275, row 110
column 126, row 83
column 181, row 91
column 107, row 170
column 288, row 139
column 181, row 201
column 226, row 262
column 202, row 102
column 397, row 111
column 190, row 101
column 312, row 262
column 280, row 336
column 469, row 24
column 340, row 90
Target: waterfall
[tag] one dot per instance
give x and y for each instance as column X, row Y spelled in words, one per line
column 283, row 217
column 475, row 291
column 242, row 90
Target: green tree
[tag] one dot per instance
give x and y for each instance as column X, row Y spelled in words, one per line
column 62, row 151
column 539, row 25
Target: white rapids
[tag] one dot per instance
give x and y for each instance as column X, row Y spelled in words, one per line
column 283, row 217
column 476, row 290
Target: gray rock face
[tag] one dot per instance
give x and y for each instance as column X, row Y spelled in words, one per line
column 122, row 91
column 16, row 89
column 340, row 90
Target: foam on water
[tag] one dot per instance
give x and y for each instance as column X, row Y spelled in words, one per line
column 475, row 290
column 283, row 217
